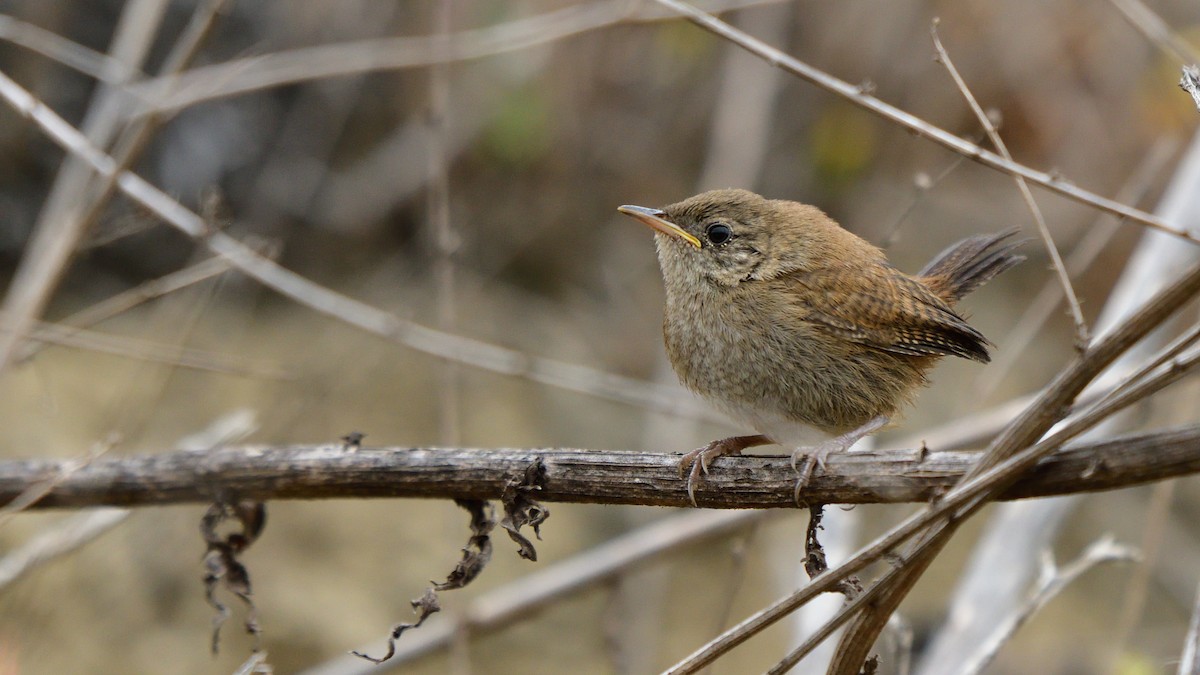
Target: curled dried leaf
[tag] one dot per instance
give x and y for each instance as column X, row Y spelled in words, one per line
column 475, row 556
column 424, row 606
column 814, row 555
column 222, row 568
column 520, row 509
column 478, row 551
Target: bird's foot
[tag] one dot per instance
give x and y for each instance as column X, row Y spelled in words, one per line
column 696, row 462
column 818, row 455
column 814, row 457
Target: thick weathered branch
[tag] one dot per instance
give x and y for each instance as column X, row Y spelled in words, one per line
column 588, row 476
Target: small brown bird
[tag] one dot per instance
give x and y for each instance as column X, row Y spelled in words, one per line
column 789, row 323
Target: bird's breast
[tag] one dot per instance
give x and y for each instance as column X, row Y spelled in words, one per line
column 758, row 359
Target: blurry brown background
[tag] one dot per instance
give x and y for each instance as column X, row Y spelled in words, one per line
column 541, row 144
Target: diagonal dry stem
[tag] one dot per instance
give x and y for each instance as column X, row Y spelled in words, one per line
column 1064, row 280
column 151, row 352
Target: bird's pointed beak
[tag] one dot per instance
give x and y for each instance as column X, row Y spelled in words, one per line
column 653, row 218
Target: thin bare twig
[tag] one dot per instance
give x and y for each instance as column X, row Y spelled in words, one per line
column 1032, row 424
column 881, row 597
column 75, row 204
column 922, row 184
column 1051, row 408
column 1097, row 236
column 1141, row 375
column 1154, row 523
column 523, row 597
column 1064, row 280
column 133, row 297
column 254, row 73
column 444, row 236
column 36, row 490
column 856, row 95
column 143, row 350
column 1017, row 532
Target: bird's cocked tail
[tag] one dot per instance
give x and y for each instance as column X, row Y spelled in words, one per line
column 970, row 263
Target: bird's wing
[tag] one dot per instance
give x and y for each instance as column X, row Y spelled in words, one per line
column 882, row 308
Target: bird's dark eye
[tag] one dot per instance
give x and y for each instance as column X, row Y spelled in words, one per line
column 718, row 233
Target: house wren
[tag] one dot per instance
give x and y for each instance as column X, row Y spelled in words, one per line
column 789, row 323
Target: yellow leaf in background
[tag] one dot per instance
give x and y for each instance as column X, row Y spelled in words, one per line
column 520, row 131
column 1130, row 663
column 843, row 144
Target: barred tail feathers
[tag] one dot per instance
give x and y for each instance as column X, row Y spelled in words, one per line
column 972, row 262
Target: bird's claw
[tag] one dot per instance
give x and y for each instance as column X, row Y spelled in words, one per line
column 688, row 461
column 816, row 456
column 819, row 454
column 695, row 463
column 693, row 476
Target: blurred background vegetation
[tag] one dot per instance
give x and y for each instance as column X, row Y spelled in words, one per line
column 343, row 178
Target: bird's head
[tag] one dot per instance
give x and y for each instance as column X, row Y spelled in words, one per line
column 728, row 237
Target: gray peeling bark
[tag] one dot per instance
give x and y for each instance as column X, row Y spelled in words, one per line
column 585, row 476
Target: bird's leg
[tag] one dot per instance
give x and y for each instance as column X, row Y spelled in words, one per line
column 697, row 460
column 818, row 454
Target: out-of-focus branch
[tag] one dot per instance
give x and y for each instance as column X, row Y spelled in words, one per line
column 475, row 353
column 574, row 475
column 133, row 297
column 1052, row 581
column 1050, row 409
column 154, row 352
column 72, row 54
column 253, row 73
column 61, row 222
column 1189, row 663
column 58, row 541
